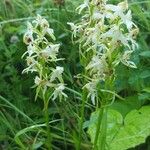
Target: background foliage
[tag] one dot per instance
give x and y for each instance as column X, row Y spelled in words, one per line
column 19, row 111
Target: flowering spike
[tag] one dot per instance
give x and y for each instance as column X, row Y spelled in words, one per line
column 40, row 53
column 106, row 36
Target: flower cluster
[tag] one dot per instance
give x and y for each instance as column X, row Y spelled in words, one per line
column 106, row 35
column 41, row 57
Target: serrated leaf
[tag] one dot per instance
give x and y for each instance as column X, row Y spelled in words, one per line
column 123, row 134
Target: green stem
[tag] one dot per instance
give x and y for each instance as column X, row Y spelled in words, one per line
column 102, row 137
column 100, row 117
column 49, row 138
column 81, row 119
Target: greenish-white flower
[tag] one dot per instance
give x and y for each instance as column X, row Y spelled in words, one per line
column 92, row 91
column 56, row 73
column 126, row 59
column 83, row 6
column 58, row 92
column 98, row 66
column 50, row 51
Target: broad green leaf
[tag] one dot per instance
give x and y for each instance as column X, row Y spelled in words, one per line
column 123, row 134
column 125, row 106
column 114, row 122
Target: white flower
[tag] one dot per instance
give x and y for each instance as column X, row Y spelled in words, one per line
column 32, row 64
column 119, row 9
column 29, row 27
column 127, row 20
column 123, row 5
column 42, row 82
column 133, row 33
column 75, row 28
column 94, row 63
column 97, row 15
column 30, row 60
column 91, row 87
column 114, row 8
column 28, row 37
column 51, row 51
column 58, row 92
column 57, row 73
column 55, row 47
column 41, row 22
column 90, row 36
column 31, row 49
column 48, row 31
column 37, row 80
column 116, row 35
column 98, row 65
column 126, row 59
column 44, row 25
column 83, row 6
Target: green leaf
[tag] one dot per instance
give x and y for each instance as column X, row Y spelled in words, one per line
column 147, row 89
column 125, row 106
column 123, row 134
column 145, row 74
column 145, row 54
column 114, row 121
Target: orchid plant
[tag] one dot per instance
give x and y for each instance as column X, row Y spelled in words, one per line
column 41, row 57
column 106, row 36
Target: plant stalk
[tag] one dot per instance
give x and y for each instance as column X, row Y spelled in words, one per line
column 102, row 137
column 101, row 130
column 100, row 117
column 49, row 138
column 81, row 120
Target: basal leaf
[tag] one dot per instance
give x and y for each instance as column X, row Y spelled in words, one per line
column 114, row 122
column 124, row 134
